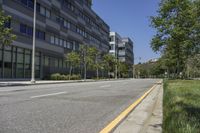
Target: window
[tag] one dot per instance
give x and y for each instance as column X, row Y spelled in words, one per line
column 56, row 62
column 112, row 46
column 69, row 5
column 61, row 42
column 67, row 24
column 38, row 7
column 48, row 14
column 58, row 19
column 28, row 3
column 80, row 31
column 52, row 39
column 24, row 2
column 111, row 38
column 22, row 28
column 40, row 34
column 68, row 45
column 46, row 61
column 56, row 41
column 20, row 62
column 65, row 44
column 74, row 45
column 29, row 31
column 42, row 10
column 60, row 63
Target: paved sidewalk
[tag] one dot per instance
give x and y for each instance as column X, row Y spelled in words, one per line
column 146, row 117
column 24, row 83
column 40, row 82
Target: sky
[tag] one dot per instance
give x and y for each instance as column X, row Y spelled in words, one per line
column 131, row 18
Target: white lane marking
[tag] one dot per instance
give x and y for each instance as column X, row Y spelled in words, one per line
column 105, row 86
column 5, row 90
column 46, row 95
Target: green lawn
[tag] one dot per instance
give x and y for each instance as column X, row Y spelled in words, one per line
column 181, row 106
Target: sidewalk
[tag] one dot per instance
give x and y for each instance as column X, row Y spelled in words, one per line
column 146, row 117
column 25, row 83
column 40, row 82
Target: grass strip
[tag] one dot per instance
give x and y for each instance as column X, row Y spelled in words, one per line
column 181, row 106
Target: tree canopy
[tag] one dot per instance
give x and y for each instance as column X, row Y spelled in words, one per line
column 6, row 36
column 178, row 32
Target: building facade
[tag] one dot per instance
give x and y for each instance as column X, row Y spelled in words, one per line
column 61, row 26
column 125, row 51
column 122, row 49
column 115, row 40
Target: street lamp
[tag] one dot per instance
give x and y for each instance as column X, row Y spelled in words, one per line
column 33, row 48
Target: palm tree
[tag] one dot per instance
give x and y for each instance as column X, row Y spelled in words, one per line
column 74, row 59
column 109, row 62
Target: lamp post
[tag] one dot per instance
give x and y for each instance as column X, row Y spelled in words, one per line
column 33, row 48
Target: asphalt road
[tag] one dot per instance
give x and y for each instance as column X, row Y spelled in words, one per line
column 67, row 108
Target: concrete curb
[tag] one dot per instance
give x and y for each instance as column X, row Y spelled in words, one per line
column 113, row 124
column 146, row 117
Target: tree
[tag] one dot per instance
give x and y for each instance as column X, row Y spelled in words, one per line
column 74, row 59
column 6, row 36
column 196, row 28
column 109, row 62
column 149, row 70
column 193, row 66
column 175, row 25
column 83, row 55
column 90, row 60
column 91, row 57
column 122, row 69
column 97, row 63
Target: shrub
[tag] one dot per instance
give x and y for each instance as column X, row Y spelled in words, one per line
column 55, row 76
column 63, row 77
column 58, row 76
column 75, row 77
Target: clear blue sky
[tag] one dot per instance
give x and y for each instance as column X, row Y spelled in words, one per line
column 130, row 18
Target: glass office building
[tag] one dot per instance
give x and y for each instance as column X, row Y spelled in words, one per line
column 62, row 25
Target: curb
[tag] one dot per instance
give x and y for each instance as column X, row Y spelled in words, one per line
column 114, row 123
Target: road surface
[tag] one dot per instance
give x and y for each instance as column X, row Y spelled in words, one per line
column 67, row 108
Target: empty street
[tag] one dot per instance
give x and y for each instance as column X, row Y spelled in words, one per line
column 67, row 108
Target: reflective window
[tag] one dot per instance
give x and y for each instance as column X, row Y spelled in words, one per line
column 46, row 61
column 7, row 64
column 52, row 39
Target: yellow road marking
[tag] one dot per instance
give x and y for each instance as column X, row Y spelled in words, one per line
column 125, row 113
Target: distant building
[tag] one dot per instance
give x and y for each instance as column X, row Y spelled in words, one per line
column 122, row 49
column 125, row 51
column 153, row 60
column 115, row 40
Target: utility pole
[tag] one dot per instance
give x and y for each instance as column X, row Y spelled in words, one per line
column 33, row 48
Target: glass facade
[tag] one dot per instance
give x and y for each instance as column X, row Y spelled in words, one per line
column 15, row 62
column 1, row 62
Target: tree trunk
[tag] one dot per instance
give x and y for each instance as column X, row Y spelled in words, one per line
column 97, row 73
column 108, row 74
column 70, row 72
column 85, row 71
column 116, row 71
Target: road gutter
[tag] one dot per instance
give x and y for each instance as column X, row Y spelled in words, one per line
column 113, row 124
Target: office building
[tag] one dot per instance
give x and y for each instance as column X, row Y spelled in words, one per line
column 122, row 49
column 125, row 51
column 61, row 26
